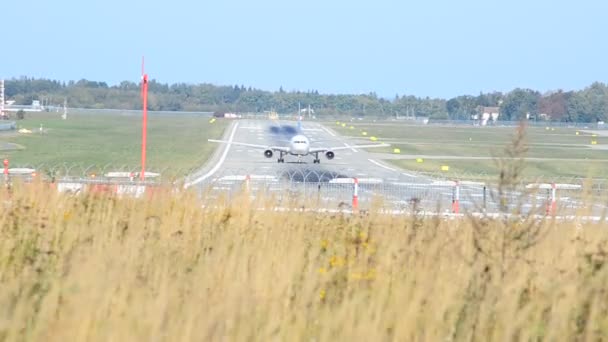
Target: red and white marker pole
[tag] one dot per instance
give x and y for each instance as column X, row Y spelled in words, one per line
column 144, row 127
column 356, row 195
column 456, row 198
column 6, row 171
column 247, row 179
column 552, row 205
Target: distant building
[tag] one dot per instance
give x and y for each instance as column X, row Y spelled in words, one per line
column 545, row 117
column 486, row 114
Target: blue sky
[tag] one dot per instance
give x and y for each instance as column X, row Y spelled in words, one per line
column 436, row 48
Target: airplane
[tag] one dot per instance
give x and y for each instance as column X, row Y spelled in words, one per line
column 298, row 145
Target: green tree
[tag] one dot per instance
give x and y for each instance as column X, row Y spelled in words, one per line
column 518, row 103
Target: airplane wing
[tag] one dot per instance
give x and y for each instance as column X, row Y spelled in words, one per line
column 265, row 147
column 324, row 149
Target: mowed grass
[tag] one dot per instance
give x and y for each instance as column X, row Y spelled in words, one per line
column 553, row 152
column 176, row 142
column 161, row 268
column 543, row 171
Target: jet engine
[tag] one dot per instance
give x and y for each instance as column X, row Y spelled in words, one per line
column 268, row 153
column 330, row 155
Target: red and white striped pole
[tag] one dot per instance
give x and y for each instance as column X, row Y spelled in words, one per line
column 552, row 205
column 6, row 171
column 356, row 195
column 456, row 198
column 247, row 179
column 144, row 127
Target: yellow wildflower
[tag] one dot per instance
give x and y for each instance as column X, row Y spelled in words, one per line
column 67, row 216
column 336, row 261
column 324, row 243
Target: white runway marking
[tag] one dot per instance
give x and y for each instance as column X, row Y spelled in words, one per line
column 409, row 174
column 382, row 166
column 328, row 131
column 219, row 163
column 352, row 148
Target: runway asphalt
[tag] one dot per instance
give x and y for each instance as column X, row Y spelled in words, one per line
column 347, row 163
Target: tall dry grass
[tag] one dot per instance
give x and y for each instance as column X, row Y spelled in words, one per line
column 101, row 268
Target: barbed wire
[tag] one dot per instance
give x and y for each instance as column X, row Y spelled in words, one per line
column 296, row 174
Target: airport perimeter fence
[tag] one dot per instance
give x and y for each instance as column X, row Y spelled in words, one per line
column 169, row 174
column 332, row 190
column 329, row 189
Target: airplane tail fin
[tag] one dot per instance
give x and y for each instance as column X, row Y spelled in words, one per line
column 299, row 122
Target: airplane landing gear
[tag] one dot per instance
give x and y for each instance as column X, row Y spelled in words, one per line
column 280, row 160
column 316, row 160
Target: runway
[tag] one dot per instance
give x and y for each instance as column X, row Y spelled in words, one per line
column 330, row 183
column 349, row 163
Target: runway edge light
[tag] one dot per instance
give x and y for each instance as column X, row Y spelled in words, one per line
column 445, row 168
column 419, row 160
column 396, row 150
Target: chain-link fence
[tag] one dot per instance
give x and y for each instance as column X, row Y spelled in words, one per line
column 331, row 189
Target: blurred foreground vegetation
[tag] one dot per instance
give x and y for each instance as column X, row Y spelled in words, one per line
column 167, row 268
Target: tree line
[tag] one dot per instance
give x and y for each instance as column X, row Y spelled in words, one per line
column 586, row 105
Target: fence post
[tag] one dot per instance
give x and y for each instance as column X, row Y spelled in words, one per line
column 456, row 198
column 356, row 195
column 552, row 205
column 484, row 199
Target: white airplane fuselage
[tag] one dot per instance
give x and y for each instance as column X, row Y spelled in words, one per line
column 299, row 145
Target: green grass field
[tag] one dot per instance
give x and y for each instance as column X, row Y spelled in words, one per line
column 554, row 152
column 177, row 142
